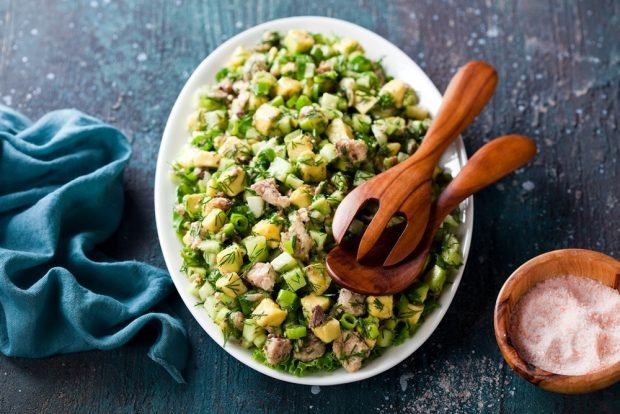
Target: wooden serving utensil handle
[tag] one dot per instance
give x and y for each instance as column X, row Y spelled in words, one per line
column 466, row 95
column 489, row 164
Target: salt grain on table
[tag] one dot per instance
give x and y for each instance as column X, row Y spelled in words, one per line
column 568, row 325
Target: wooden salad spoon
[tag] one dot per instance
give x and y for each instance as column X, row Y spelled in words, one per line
column 406, row 187
column 490, row 163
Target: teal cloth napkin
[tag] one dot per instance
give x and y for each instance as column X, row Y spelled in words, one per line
column 61, row 194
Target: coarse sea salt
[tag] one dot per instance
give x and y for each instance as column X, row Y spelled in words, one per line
column 568, row 325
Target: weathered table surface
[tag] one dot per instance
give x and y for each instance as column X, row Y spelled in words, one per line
column 125, row 62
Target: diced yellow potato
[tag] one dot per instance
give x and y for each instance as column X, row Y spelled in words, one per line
column 193, row 203
column 302, row 196
column 214, row 221
column 212, row 188
column 396, row 88
column 219, row 140
column 232, row 181
column 264, row 81
column 216, row 119
column 313, row 171
column 338, row 130
column 328, row 332
column 288, row 87
column 230, row 259
column 297, row 146
column 415, row 311
column 346, row 46
column 393, row 148
column 256, row 101
column 298, row 41
column 380, row 306
column 288, row 69
column 265, row 118
column 268, row 313
column 370, row 342
column 365, row 105
column 195, row 157
column 233, row 147
column 231, row 285
column 206, row 159
column 312, row 300
column 318, row 278
column 195, row 120
column 238, row 58
column 270, row 231
column 416, row 112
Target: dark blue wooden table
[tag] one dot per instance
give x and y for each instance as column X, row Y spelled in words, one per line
column 126, row 61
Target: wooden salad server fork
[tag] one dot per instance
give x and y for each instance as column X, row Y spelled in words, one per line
column 489, row 164
column 406, row 187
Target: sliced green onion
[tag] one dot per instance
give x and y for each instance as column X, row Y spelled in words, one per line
column 240, row 222
column 296, row 332
column 228, row 229
column 348, row 321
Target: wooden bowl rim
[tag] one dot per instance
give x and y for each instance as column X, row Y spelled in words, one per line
column 568, row 384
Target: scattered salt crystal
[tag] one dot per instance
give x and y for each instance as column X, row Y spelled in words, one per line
column 493, row 31
column 315, row 389
column 403, row 381
column 528, row 186
column 568, row 325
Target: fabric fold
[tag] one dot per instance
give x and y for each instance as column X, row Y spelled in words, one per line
column 61, row 195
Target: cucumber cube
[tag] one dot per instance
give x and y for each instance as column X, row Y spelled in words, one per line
column 280, row 169
column 210, row 306
column 419, row 293
column 251, row 330
column 436, row 278
column 287, row 300
column 321, row 205
column 295, row 279
column 256, row 205
column 319, row 239
column 210, row 246
column 284, row 262
column 205, row 291
column 329, row 152
column 293, row 181
column 256, row 248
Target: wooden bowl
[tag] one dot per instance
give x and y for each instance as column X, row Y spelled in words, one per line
column 576, row 262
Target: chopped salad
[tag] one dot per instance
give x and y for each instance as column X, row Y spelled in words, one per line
column 288, row 128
